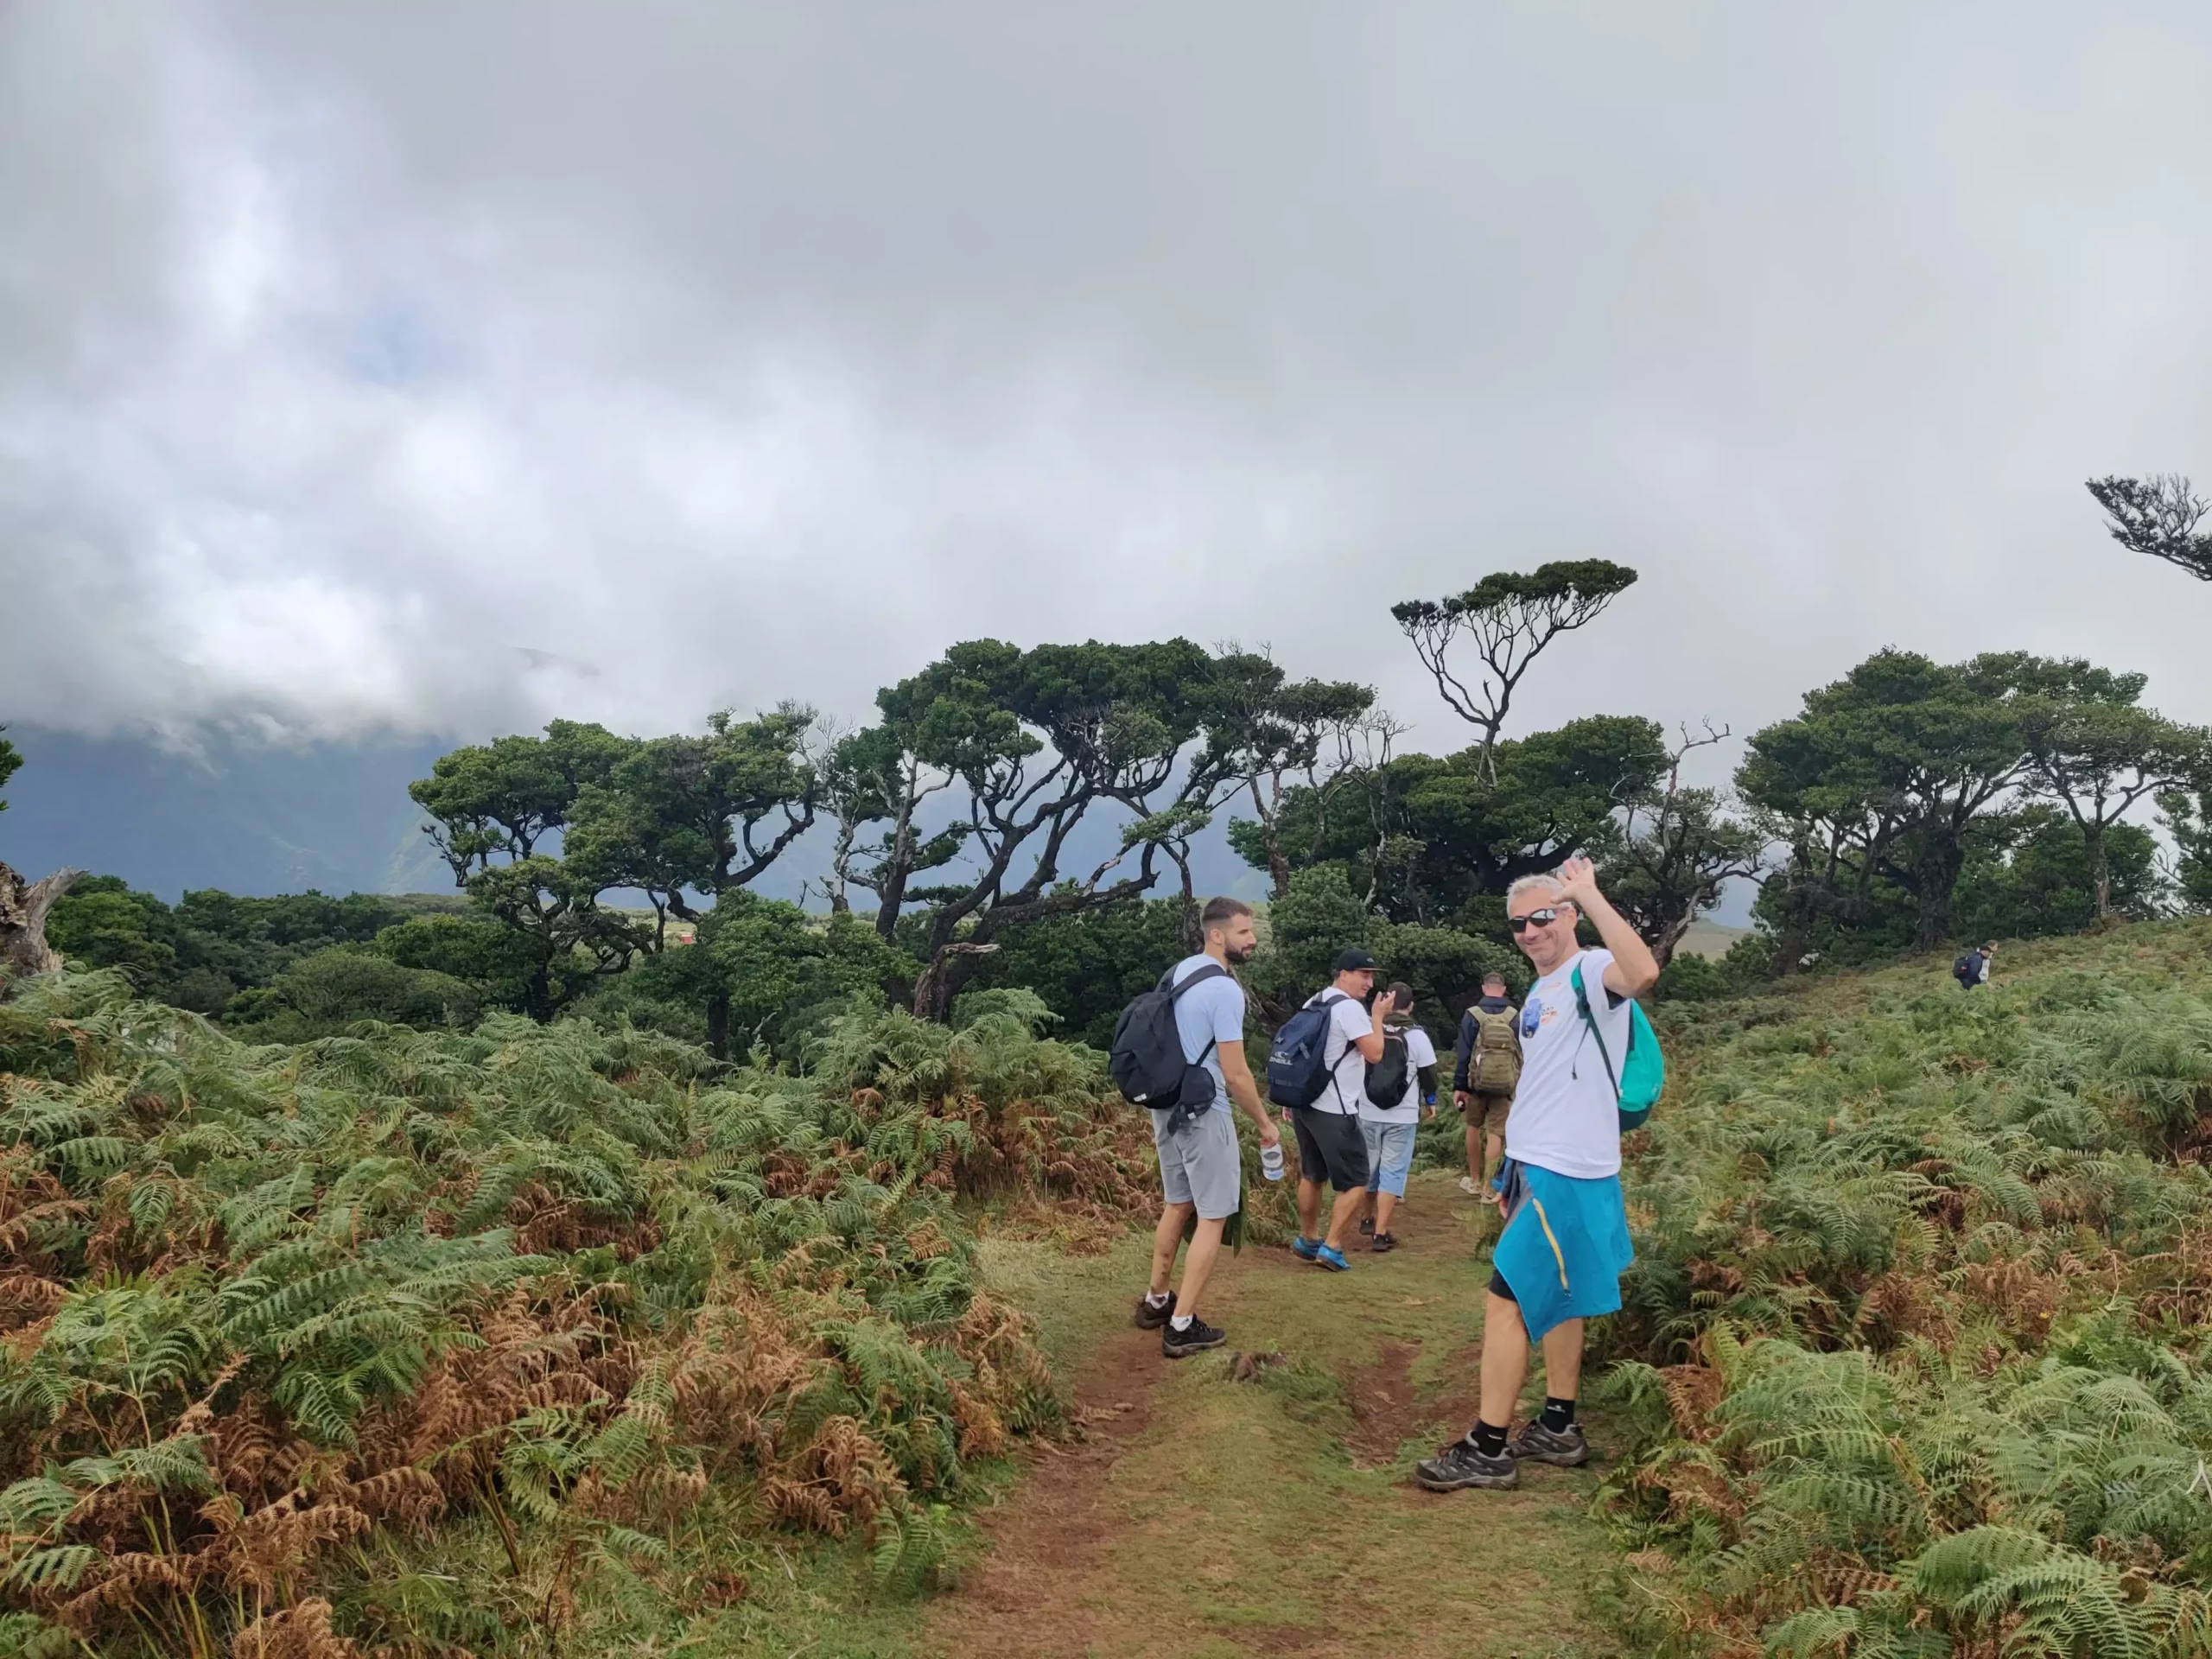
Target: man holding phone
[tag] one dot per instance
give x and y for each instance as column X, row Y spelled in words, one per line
column 1331, row 1146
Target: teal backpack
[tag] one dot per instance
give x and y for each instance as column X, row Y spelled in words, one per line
column 1642, row 1071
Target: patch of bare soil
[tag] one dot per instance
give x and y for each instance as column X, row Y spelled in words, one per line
column 1383, row 1409
column 1033, row 1595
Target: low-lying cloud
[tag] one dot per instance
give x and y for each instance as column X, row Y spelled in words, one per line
column 437, row 369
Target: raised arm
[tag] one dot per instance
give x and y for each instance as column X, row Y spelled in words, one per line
column 1370, row 1046
column 1633, row 970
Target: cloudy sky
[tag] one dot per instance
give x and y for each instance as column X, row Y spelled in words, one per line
column 374, row 369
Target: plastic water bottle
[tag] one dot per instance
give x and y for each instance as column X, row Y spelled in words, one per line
column 1271, row 1161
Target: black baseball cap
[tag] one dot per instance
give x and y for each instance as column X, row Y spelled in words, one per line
column 1351, row 961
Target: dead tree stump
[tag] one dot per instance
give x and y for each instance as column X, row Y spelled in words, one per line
column 24, row 907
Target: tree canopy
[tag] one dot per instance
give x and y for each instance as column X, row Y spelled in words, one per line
column 2158, row 515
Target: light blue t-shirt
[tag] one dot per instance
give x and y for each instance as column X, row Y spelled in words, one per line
column 1207, row 1015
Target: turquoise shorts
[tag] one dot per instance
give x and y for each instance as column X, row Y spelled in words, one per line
column 1565, row 1245
column 1389, row 1155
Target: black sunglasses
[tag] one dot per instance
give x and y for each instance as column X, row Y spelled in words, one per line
column 1543, row 917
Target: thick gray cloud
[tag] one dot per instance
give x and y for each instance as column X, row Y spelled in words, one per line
column 441, row 368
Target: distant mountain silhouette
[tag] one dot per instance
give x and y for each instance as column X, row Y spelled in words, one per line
column 252, row 818
column 249, row 818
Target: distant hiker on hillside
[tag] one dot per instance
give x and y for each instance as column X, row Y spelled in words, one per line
column 1972, row 969
column 1201, row 1167
column 1565, row 1243
column 1330, row 1148
column 1403, row 1079
column 1486, row 1068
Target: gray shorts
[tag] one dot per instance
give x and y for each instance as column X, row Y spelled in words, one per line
column 1201, row 1165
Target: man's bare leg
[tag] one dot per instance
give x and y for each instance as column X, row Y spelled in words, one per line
column 1346, row 1215
column 1309, row 1208
column 1562, row 1357
column 1197, row 1268
column 1474, row 1151
column 1384, row 1203
column 1505, row 1359
column 1166, row 1239
column 1496, row 1147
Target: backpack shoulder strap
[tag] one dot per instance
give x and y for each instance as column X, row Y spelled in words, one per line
column 1582, row 1002
column 1169, row 984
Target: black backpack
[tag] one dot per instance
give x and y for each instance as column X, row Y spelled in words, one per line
column 1968, row 969
column 1386, row 1077
column 1147, row 1058
column 1298, row 1068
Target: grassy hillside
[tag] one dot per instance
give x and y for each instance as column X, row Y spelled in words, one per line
column 1915, row 1348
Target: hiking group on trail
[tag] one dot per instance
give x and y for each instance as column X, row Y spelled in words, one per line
column 1546, row 1090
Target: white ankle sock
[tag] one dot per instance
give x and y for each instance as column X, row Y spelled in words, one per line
column 1155, row 1298
column 1181, row 1321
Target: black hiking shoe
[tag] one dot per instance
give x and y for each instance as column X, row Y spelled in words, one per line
column 1385, row 1242
column 1566, row 1448
column 1366, row 1225
column 1150, row 1317
column 1195, row 1338
column 1460, row 1465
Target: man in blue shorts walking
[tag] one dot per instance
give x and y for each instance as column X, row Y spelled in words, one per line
column 1565, row 1245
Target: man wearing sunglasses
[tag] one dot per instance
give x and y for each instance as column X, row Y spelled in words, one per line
column 1565, row 1243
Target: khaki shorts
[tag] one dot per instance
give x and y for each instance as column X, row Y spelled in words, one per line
column 1485, row 1107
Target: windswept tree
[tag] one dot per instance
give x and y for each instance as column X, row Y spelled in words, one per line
column 2093, row 750
column 1033, row 741
column 1421, row 837
column 1506, row 620
column 1679, row 847
column 704, row 815
column 2158, row 516
column 10, row 758
column 876, row 786
column 1267, row 730
column 494, row 808
column 1884, row 774
column 683, row 819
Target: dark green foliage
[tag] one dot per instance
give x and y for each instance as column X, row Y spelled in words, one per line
column 1320, row 917
column 325, row 993
column 208, row 948
column 779, row 973
column 1433, row 837
column 11, row 760
column 1087, row 966
column 2032, row 876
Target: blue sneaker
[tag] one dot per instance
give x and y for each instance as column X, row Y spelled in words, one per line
column 1305, row 1249
column 1332, row 1259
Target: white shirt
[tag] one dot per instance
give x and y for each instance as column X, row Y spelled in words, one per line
column 1566, row 1113
column 1348, row 1023
column 1419, row 1052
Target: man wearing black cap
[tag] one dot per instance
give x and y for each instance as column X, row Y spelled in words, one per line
column 1331, row 1145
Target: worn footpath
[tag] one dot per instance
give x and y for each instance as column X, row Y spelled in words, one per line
column 1213, row 1508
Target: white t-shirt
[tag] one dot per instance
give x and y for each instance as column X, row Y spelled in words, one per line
column 1348, row 1023
column 1566, row 1113
column 1419, row 1052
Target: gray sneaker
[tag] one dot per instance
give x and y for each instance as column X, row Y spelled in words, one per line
column 1460, row 1465
column 1536, row 1444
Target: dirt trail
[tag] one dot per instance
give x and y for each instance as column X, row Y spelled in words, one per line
column 1207, row 1516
